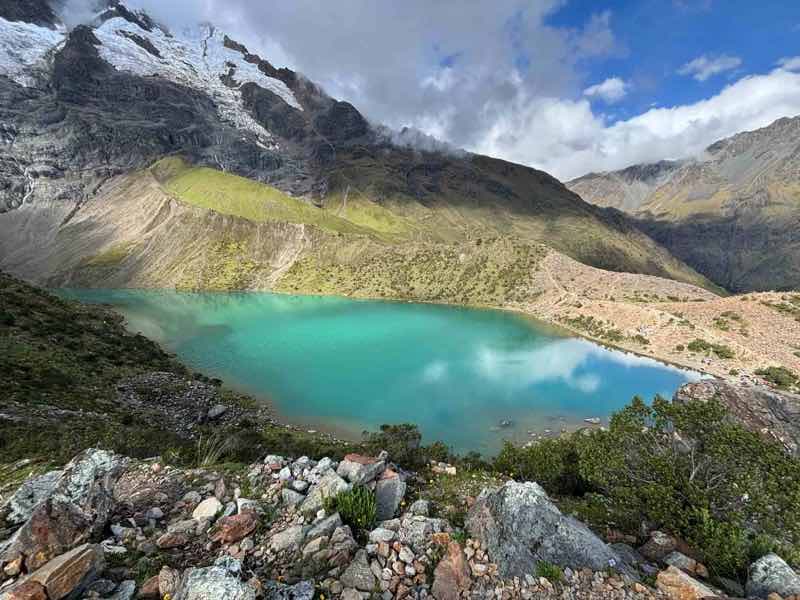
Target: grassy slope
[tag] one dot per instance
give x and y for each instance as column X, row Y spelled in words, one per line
column 375, row 240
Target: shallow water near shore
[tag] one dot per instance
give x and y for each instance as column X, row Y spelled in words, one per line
column 347, row 366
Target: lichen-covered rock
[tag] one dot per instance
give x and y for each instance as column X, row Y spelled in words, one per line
column 769, row 574
column 658, row 546
column 213, row 583
column 77, row 509
column 358, row 574
column 30, row 494
column 299, row 591
column 521, row 527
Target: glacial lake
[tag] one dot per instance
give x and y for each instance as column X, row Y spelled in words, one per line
column 346, row 366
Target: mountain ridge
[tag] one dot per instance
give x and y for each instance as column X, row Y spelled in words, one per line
column 741, row 199
column 111, row 99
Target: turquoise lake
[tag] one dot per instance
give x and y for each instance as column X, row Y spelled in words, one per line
column 347, row 366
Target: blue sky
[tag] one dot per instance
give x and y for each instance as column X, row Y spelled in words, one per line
column 567, row 86
column 657, row 37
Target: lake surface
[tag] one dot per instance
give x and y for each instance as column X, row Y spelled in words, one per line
column 350, row 365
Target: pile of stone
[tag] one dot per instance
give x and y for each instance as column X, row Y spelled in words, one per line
column 65, row 530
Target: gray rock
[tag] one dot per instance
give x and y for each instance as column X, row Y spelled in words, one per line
column 19, row 507
column 290, row 497
column 216, row 411
column 328, row 487
column 770, row 573
column 358, row 574
column 628, row 554
column 381, row 535
column 192, row 497
column 360, row 470
column 299, row 485
column 420, row 508
column 417, row 531
column 521, row 527
column 324, row 527
column 388, row 496
column 218, row 581
column 125, row 591
column 243, row 504
column 288, row 539
column 279, row 591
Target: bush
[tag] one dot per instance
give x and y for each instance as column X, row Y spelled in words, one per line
column 404, row 444
column 780, row 377
column 688, row 469
column 552, row 463
column 357, row 507
column 549, row 571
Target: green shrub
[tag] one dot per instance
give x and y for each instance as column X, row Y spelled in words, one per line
column 549, row 571
column 703, row 347
column 780, row 377
column 356, row 506
column 553, row 463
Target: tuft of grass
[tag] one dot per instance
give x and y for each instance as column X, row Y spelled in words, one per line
column 549, row 571
column 357, row 507
column 210, row 449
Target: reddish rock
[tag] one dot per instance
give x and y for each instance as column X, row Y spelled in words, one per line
column 360, row 459
column 658, row 546
column 679, row 586
column 451, row 576
column 234, row 528
column 63, row 574
column 149, row 589
column 30, row 590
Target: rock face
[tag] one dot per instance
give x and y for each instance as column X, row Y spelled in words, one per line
column 770, row 574
column 521, row 527
column 19, row 506
column 77, row 508
column 66, row 573
column 218, row 581
column 772, row 413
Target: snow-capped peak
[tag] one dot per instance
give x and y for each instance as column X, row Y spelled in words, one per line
column 24, row 48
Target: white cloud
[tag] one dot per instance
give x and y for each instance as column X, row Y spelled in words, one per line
column 790, row 63
column 435, row 372
column 703, row 67
column 426, row 66
column 611, row 90
column 571, row 140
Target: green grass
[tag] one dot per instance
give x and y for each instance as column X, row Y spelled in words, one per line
column 230, row 194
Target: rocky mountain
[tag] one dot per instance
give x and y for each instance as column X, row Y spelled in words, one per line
column 135, row 155
column 732, row 214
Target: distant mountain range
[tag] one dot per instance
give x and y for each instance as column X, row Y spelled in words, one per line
column 732, row 214
column 137, row 156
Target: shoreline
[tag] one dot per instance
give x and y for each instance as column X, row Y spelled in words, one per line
column 519, row 434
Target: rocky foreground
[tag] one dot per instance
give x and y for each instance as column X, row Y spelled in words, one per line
column 106, row 526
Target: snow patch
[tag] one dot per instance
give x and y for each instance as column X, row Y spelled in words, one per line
column 24, row 48
column 197, row 58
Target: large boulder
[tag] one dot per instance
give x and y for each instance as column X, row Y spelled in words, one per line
column 221, row 580
column 774, row 414
column 522, row 527
column 769, row 574
column 76, row 509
